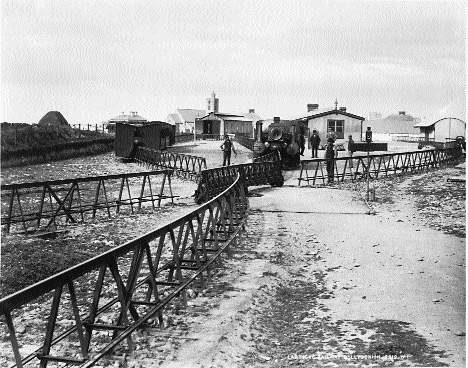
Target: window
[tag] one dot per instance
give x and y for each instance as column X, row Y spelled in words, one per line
column 337, row 126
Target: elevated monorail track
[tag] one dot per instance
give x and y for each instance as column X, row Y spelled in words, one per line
column 185, row 166
column 113, row 294
column 314, row 172
column 46, row 205
column 106, row 299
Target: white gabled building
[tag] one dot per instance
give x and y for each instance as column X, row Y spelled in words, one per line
column 184, row 119
column 336, row 119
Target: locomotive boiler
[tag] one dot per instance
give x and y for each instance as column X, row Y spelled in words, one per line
column 282, row 136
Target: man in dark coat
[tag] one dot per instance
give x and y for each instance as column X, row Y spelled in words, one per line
column 330, row 154
column 227, row 147
column 314, row 143
column 350, row 150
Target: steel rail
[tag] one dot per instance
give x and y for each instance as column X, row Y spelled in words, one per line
column 164, row 302
column 32, row 198
column 314, row 172
column 214, row 181
column 217, row 223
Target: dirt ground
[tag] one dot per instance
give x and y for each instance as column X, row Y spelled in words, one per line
column 318, row 281
column 315, row 280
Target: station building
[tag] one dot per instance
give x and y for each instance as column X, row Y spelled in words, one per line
column 216, row 124
column 219, row 124
column 337, row 119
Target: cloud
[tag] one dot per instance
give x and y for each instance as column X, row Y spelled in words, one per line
column 278, row 53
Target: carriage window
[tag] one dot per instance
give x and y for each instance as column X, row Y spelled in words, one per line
column 337, row 126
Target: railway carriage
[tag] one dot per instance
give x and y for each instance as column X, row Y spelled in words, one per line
column 156, row 135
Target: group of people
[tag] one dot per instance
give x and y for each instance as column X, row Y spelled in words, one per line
column 331, row 150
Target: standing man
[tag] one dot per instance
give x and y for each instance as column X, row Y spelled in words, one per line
column 330, row 154
column 314, row 142
column 350, row 150
column 227, row 146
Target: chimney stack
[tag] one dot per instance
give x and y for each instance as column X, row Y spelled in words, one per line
column 401, row 112
column 343, row 108
column 312, row 107
column 276, row 119
column 251, row 111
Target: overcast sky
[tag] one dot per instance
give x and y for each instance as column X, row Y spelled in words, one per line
column 90, row 60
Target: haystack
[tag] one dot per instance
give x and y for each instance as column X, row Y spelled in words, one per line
column 53, row 118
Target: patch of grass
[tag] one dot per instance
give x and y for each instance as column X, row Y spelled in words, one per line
column 25, row 263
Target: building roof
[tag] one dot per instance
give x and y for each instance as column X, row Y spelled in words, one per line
column 175, row 118
column 424, row 123
column 427, row 123
column 401, row 123
column 236, row 118
column 189, row 115
column 227, row 116
column 329, row 111
column 132, row 117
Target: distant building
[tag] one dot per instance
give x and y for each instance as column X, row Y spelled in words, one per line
column 219, row 124
column 336, row 119
column 442, row 130
column 394, row 127
column 212, row 122
column 184, row 119
column 131, row 118
column 53, row 118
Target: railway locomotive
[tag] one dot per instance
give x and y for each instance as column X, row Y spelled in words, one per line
column 282, row 136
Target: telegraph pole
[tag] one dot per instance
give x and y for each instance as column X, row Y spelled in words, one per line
column 369, row 141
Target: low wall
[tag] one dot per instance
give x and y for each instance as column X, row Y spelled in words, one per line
column 56, row 152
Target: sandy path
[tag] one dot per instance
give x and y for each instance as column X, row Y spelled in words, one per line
column 380, row 273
